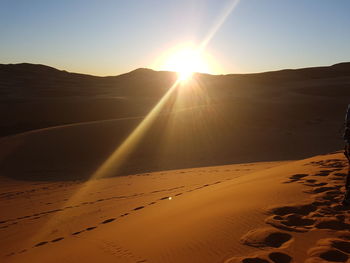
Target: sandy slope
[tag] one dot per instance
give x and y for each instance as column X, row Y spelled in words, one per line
column 224, row 119
column 275, row 212
column 193, row 137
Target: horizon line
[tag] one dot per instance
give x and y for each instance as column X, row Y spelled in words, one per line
column 154, row 70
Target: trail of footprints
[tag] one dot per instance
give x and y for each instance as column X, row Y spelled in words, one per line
column 14, row 221
column 106, row 221
column 323, row 212
column 14, row 194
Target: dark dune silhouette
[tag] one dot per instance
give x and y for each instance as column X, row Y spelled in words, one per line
column 38, row 96
column 288, row 114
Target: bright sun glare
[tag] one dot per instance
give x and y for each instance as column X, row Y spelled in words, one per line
column 186, row 61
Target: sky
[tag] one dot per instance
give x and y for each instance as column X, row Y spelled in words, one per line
column 111, row 37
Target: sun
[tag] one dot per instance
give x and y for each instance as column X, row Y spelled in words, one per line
column 186, row 61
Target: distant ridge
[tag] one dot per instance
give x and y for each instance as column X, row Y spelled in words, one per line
column 311, row 72
column 28, row 68
column 35, row 80
column 41, row 68
column 34, row 96
column 142, row 70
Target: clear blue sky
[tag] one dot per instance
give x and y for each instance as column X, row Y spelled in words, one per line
column 113, row 37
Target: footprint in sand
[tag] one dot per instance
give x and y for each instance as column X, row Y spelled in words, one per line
column 295, row 178
column 332, row 223
column 108, row 221
column 311, row 181
column 266, row 237
column 330, row 163
column 78, row 232
column 334, row 255
column 303, row 209
column 40, row 244
column 267, row 257
column 330, row 249
column 315, row 184
column 279, row 257
column 323, row 173
column 340, row 174
column 342, row 245
column 124, row 214
column 292, row 218
column 321, row 189
column 57, row 239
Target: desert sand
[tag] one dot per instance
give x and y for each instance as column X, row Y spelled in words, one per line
column 217, row 175
column 255, row 212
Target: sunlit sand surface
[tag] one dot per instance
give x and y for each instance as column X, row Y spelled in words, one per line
column 207, row 214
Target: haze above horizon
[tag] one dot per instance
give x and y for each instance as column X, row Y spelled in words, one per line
column 114, row 37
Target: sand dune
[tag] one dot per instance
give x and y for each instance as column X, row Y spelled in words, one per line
column 310, row 101
column 198, row 185
column 257, row 212
column 73, row 122
column 190, row 137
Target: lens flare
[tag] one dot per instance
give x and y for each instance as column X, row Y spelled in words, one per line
column 185, row 60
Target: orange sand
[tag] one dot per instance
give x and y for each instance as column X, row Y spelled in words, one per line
column 256, row 212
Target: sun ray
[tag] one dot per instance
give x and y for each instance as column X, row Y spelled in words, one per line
column 187, row 61
column 227, row 12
